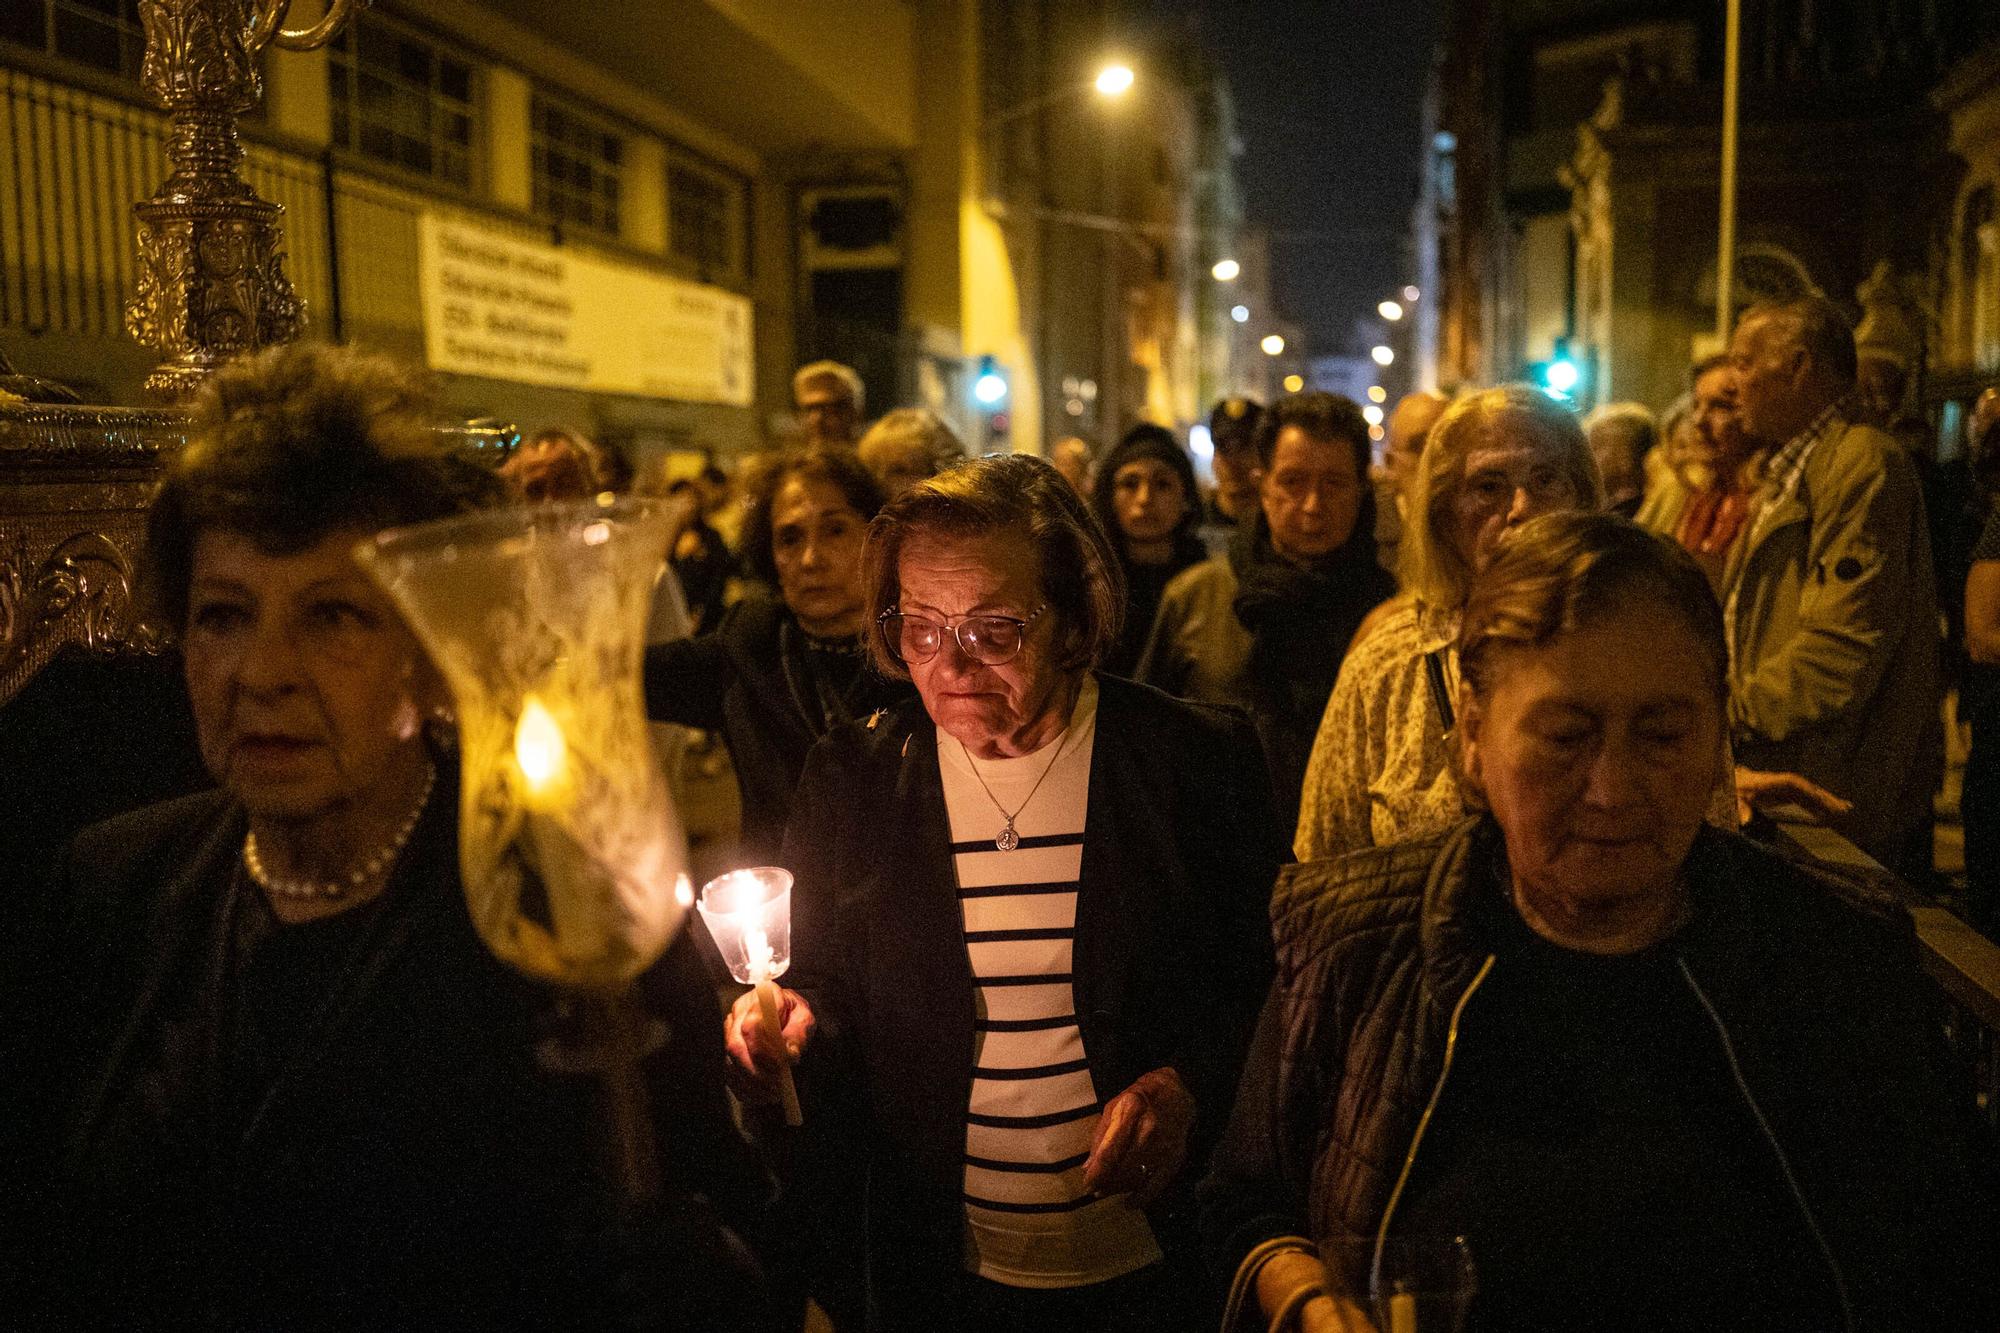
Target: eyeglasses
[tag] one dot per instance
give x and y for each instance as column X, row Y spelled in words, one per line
column 987, row 640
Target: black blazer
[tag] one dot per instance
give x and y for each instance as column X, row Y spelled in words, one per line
column 407, row 1162
column 1172, row 957
column 750, row 681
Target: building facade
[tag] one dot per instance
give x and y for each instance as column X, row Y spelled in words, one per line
column 638, row 219
column 1581, row 164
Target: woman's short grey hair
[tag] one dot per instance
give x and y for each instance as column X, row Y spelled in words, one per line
column 913, row 425
column 1005, row 493
column 844, row 375
column 1433, row 570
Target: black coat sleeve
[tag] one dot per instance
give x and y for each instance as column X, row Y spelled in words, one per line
column 687, row 680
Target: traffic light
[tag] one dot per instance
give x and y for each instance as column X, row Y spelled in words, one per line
column 990, row 392
column 1560, row 376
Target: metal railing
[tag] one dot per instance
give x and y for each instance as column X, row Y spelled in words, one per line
column 73, row 161
column 76, row 162
column 1964, row 964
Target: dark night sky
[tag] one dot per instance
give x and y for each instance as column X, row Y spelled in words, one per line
column 1329, row 95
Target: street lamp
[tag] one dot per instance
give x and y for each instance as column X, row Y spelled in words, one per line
column 1411, row 294
column 1112, row 81
column 1383, row 354
column 1273, row 345
column 1372, row 414
column 1389, row 310
column 1377, row 394
column 1226, row 270
column 1294, row 383
column 1240, row 313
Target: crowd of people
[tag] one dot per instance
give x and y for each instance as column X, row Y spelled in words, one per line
column 1197, row 896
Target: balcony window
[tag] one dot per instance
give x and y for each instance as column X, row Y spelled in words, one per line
column 704, row 218
column 399, row 99
column 103, row 34
column 577, row 165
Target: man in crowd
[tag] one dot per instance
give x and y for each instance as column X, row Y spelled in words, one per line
column 828, row 398
column 1232, row 430
column 1718, row 486
column 1829, row 603
column 1409, row 426
column 1621, row 435
column 1266, row 623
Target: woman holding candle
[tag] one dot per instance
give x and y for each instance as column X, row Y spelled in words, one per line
column 1028, row 929
column 775, row 676
column 286, row 1086
column 1655, row 1075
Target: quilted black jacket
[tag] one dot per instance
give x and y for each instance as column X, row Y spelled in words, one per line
column 1815, row 984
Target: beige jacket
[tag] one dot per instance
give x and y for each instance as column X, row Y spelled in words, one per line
column 1834, row 638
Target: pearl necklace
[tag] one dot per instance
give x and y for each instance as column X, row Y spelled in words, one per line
column 310, row 890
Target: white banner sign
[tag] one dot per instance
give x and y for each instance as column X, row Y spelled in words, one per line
column 510, row 309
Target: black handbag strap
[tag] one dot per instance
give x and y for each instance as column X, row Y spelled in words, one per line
column 1440, row 692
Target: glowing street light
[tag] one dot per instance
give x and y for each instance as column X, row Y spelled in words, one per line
column 1294, row 383
column 1412, row 295
column 1372, row 414
column 1240, row 313
column 1383, row 355
column 1377, row 394
column 1389, row 310
column 1114, row 80
column 1225, row 270
column 1273, row 345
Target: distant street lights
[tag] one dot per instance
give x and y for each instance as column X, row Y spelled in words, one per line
column 1240, row 313
column 1273, row 345
column 1389, row 310
column 1226, row 270
column 1384, row 355
column 1294, row 383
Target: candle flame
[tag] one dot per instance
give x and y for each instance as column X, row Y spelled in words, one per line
column 757, row 947
column 539, row 747
column 684, row 891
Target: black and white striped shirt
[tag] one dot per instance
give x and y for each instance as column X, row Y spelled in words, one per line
column 1034, row 1108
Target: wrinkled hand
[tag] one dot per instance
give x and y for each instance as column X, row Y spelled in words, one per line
column 756, row 1053
column 1141, row 1138
column 1757, row 790
column 1324, row 1313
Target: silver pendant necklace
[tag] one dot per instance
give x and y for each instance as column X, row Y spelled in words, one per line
column 1007, row 839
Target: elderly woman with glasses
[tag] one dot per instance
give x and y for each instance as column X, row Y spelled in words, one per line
column 1029, row 933
column 1380, row 768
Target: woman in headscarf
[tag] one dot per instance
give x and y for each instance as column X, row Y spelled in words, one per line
column 1146, row 500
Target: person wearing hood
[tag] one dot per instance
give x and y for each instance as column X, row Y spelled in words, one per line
column 1145, row 497
column 1267, row 623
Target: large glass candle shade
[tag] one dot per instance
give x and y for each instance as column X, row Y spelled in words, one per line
column 572, row 853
